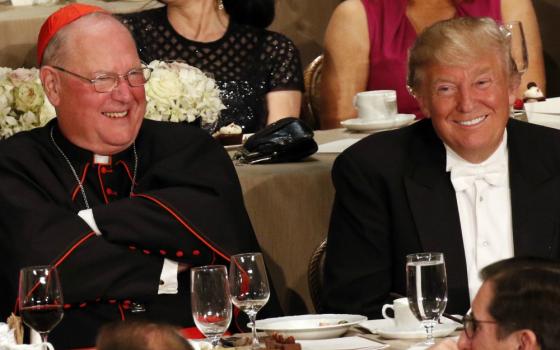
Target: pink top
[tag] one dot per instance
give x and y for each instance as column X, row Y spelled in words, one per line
column 391, row 35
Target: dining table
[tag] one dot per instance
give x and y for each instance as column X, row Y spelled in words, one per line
column 289, row 205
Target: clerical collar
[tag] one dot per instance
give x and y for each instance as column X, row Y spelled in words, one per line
column 500, row 155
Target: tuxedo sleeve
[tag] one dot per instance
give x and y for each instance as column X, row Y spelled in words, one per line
column 358, row 258
column 35, row 229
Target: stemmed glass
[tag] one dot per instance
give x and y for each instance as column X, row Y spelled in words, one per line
column 249, row 287
column 210, row 301
column 426, row 288
column 40, row 299
column 518, row 46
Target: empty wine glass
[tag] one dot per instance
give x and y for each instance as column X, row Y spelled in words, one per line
column 426, row 288
column 249, row 287
column 210, row 301
column 40, row 299
column 518, row 46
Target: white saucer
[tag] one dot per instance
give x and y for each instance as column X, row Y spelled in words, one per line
column 358, row 124
column 387, row 329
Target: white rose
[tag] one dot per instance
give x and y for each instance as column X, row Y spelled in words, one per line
column 28, row 97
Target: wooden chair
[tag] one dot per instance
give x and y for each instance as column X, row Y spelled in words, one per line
column 312, row 82
column 315, row 277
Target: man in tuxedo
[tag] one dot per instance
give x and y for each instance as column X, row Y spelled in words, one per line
column 469, row 181
column 517, row 307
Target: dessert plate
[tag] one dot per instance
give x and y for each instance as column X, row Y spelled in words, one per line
column 358, row 124
column 323, row 326
column 387, row 329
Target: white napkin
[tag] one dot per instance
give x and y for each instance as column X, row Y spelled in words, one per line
column 8, row 342
column 545, row 113
column 344, row 343
column 336, row 146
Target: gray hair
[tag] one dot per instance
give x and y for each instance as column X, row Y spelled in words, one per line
column 58, row 47
column 457, row 42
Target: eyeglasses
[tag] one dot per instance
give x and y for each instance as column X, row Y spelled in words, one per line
column 106, row 82
column 471, row 324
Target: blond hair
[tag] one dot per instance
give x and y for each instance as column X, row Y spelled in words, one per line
column 458, row 42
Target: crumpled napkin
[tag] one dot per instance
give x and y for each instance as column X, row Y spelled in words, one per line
column 8, row 341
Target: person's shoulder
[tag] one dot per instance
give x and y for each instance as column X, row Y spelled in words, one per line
column 23, row 146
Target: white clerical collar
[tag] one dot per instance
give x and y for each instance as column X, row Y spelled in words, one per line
column 99, row 159
column 500, row 155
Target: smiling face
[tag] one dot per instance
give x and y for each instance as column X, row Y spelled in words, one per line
column 104, row 123
column 468, row 105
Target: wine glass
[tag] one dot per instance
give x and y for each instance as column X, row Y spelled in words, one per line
column 426, row 288
column 210, row 301
column 249, row 287
column 518, row 46
column 40, row 299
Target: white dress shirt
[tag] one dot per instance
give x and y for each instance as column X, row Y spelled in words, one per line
column 484, row 203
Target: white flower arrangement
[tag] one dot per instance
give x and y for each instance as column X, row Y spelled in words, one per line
column 178, row 92
column 23, row 105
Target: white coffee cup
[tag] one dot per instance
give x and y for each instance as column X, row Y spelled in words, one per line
column 404, row 318
column 376, row 104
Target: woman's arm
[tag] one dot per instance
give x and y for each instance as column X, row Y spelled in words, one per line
column 346, row 63
column 523, row 11
column 283, row 104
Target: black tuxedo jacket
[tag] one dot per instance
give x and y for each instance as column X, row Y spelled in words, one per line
column 394, row 197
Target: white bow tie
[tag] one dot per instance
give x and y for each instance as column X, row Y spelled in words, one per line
column 464, row 176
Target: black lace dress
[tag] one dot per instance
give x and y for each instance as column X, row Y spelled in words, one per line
column 246, row 62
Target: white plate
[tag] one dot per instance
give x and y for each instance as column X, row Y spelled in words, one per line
column 387, row 329
column 239, row 145
column 323, row 326
column 358, row 124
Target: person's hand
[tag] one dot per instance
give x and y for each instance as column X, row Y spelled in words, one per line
column 446, row 344
column 183, row 267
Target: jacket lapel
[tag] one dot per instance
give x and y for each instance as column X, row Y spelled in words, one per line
column 534, row 196
column 434, row 206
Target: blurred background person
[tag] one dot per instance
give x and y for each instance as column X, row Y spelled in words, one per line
column 517, row 307
column 367, row 43
column 258, row 71
column 140, row 335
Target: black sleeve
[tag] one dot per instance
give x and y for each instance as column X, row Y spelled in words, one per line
column 358, row 259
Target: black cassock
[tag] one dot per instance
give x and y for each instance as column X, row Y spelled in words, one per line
column 186, row 206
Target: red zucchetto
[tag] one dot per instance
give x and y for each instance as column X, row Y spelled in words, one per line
column 59, row 20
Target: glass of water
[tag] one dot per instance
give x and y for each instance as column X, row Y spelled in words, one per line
column 210, row 301
column 426, row 288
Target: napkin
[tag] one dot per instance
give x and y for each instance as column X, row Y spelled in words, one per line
column 344, row 343
column 545, row 113
column 8, row 341
column 336, row 146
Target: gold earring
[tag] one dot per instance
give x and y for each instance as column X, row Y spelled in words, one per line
column 220, row 5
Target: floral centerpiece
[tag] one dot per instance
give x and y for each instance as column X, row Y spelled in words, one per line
column 23, row 105
column 178, row 92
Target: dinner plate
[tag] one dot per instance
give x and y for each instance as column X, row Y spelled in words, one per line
column 387, row 329
column 301, row 327
column 357, row 124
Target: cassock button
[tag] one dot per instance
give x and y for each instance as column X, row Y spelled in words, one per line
column 146, row 251
column 131, row 247
column 83, row 304
column 179, row 253
column 103, row 170
column 162, row 252
column 196, row 252
column 109, row 191
column 67, row 306
column 112, row 301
